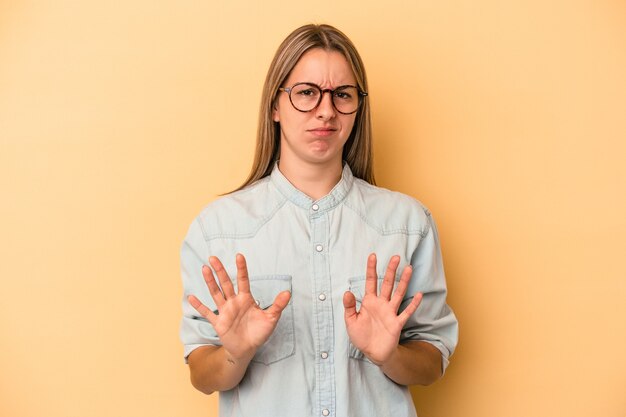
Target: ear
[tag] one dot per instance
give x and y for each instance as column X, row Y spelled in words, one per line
column 275, row 115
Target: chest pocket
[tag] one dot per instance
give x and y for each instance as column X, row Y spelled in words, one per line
column 281, row 343
column 357, row 287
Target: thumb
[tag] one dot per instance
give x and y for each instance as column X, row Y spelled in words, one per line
column 349, row 305
column 280, row 302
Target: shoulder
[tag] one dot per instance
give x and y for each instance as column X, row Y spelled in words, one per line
column 388, row 211
column 241, row 213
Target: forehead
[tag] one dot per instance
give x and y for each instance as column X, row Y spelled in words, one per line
column 322, row 67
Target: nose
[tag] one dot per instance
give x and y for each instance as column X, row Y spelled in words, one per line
column 326, row 108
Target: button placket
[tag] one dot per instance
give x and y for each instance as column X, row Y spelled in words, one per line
column 323, row 312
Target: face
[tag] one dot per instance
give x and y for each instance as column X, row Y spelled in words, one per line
column 318, row 136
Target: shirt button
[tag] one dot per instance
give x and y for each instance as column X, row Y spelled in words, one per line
column 324, row 355
column 325, row 412
column 322, row 297
column 315, row 207
column 319, row 248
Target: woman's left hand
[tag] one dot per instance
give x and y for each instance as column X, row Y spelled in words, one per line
column 375, row 328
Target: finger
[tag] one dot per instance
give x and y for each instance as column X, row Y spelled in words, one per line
column 371, row 277
column 349, row 306
column 222, row 275
column 410, row 309
column 390, row 277
column 243, row 283
column 398, row 295
column 214, row 289
column 279, row 304
column 202, row 309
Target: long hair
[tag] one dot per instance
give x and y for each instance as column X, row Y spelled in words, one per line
column 357, row 151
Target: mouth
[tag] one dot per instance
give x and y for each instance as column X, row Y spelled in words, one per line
column 322, row 131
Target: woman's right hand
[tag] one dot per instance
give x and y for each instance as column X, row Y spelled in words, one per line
column 241, row 325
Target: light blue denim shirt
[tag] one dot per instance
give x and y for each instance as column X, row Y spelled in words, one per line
column 317, row 250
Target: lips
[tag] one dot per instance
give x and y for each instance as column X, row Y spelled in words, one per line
column 322, row 131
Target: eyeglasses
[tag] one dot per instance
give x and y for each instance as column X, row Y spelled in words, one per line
column 305, row 97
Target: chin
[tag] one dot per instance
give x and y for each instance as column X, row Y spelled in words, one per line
column 326, row 159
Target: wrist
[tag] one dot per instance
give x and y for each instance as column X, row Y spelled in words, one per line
column 386, row 362
column 239, row 358
column 381, row 362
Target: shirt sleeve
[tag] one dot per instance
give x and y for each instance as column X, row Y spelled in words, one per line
column 433, row 322
column 195, row 330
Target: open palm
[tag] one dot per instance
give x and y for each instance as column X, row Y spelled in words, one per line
column 241, row 325
column 375, row 328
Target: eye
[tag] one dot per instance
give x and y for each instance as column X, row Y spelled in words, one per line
column 307, row 92
column 346, row 93
column 343, row 95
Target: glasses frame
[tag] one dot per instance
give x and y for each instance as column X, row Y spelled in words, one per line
column 361, row 94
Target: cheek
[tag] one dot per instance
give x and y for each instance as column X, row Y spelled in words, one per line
column 291, row 119
column 349, row 124
column 283, row 112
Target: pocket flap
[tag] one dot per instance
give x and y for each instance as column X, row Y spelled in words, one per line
column 264, row 289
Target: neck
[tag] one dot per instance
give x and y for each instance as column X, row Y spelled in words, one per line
column 315, row 180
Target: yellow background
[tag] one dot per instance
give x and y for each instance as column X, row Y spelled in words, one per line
column 120, row 120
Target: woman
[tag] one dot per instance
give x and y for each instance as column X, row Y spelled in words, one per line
column 295, row 315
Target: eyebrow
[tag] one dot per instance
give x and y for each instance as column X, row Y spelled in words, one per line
column 317, row 85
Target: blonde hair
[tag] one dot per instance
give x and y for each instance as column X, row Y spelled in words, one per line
column 357, row 151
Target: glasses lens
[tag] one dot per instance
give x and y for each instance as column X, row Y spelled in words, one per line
column 346, row 99
column 305, row 97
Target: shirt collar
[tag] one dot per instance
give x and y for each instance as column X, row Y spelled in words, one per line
column 329, row 201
